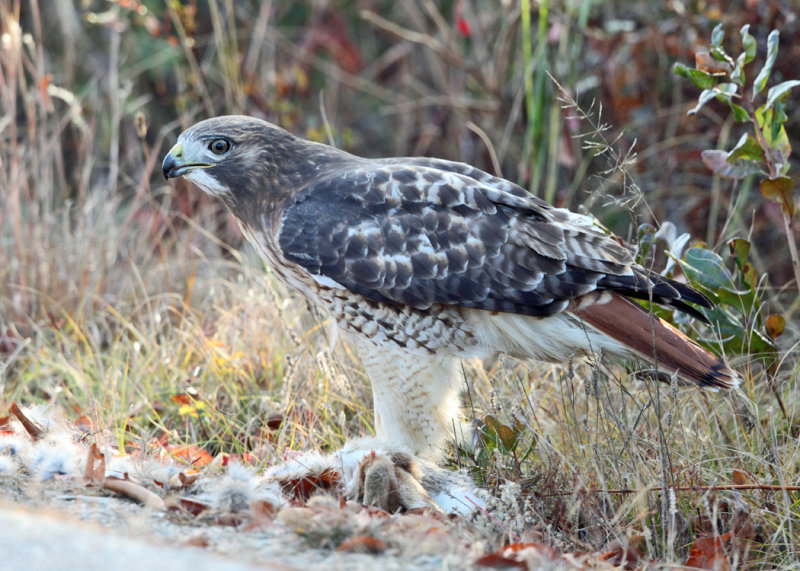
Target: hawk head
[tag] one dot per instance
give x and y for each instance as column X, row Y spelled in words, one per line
column 244, row 161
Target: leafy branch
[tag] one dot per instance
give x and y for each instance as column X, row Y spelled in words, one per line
column 765, row 151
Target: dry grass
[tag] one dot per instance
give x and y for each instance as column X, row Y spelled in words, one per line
column 119, row 292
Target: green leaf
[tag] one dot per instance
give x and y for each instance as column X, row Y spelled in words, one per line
column 737, row 338
column 706, row 96
column 726, row 90
column 779, row 108
column 719, row 54
column 740, row 250
column 723, row 92
column 717, row 35
column 740, row 114
column 738, row 76
column 507, row 437
column 772, row 53
column 700, row 79
column 717, row 161
column 748, row 43
column 496, row 432
column 707, row 269
column 748, row 149
column 742, row 301
column 492, row 422
column 771, row 123
column 779, row 190
column 780, row 91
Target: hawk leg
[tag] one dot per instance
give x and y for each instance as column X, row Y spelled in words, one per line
column 416, row 396
column 416, row 399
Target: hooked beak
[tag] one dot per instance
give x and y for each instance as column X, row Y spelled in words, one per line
column 174, row 165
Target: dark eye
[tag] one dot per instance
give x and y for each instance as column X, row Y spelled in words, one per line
column 219, row 146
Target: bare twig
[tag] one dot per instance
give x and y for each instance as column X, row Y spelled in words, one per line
column 724, row 487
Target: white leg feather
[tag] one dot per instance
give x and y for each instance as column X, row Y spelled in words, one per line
column 416, row 396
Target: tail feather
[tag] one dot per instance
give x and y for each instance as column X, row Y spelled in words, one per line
column 657, row 341
column 662, row 290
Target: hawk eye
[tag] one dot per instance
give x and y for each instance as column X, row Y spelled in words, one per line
column 219, row 146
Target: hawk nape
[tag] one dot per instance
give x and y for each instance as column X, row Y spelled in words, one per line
column 426, row 261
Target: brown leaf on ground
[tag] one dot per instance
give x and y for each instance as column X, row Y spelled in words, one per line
column 625, row 555
column 189, row 506
column 262, row 513
column 95, row 469
column 197, row 540
column 85, row 424
column 187, row 480
column 710, row 553
column 33, row 429
column 275, row 421
column 519, row 555
column 701, row 525
column 362, row 544
column 135, row 491
column 183, row 398
column 191, row 455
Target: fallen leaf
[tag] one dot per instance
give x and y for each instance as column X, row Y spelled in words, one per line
column 362, row 544
column 191, row 455
column 33, row 429
column 710, row 553
column 190, row 506
column 187, row 479
column 740, row 477
column 133, row 490
column 274, row 421
column 625, row 556
column 197, row 540
column 262, row 513
column 247, row 459
column 95, row 469
column 182, row 398
column 518, row 555
column 85, row 424
column 499, row 561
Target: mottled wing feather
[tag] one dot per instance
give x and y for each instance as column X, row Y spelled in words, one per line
column 420, row 235
column 424, row 231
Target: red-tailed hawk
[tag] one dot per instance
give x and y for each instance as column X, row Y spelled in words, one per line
column 427, row 261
